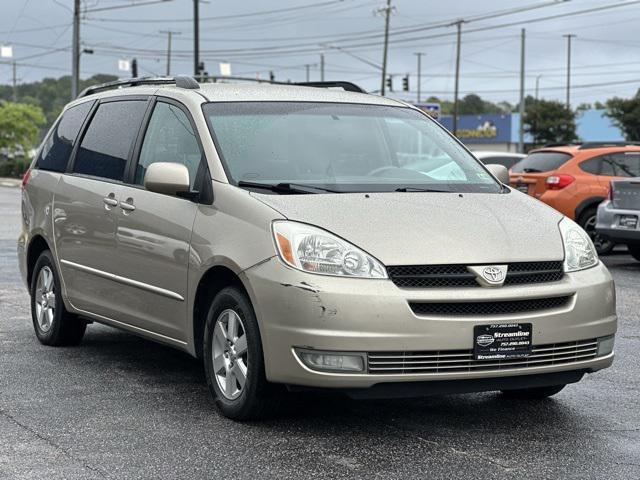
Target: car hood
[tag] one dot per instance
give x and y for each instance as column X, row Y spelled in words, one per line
column 432, row 228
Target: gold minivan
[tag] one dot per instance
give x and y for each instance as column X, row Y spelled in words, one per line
column 300, row 237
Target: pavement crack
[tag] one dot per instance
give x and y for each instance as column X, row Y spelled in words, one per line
column 51, row 443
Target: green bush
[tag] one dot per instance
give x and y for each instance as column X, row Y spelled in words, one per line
column 13, row 168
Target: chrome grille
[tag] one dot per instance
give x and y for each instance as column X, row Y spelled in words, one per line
column 456, row 275
column 503, row 307
column 452, row 361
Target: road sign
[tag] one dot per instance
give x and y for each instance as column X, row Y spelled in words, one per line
column 432, row 109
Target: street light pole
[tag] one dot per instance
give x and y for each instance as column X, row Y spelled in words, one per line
column 196, row 38
column 569, row 37
column 387, row 14
column 419, row 55
column 521, row 109
column 170, row 34
column 322, row 67
column 75, row 51
column 458, row 25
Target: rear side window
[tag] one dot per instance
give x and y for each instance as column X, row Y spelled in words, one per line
column 108, row 140
column 541, row 162
column 59, row 144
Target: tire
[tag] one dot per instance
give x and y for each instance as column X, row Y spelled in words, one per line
column 249, row 399
column 588, row 222
column 634, row 251
column 537, row 393
column 53, row 324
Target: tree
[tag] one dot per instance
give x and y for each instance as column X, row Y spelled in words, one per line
column 625, row 114
column 549, row 121
column 19, row 126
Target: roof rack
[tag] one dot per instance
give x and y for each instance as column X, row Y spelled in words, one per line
column 180, row 81
column 588, row 145
column 184, row 81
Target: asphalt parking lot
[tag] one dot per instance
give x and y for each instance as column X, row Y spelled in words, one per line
column 122, row 407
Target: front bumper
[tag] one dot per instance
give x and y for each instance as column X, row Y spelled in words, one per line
column 608, row 224
column 301, row 310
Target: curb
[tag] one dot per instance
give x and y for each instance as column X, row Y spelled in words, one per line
column 10, row 182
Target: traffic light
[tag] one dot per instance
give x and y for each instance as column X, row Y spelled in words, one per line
column 134, row 68
column 272, row 77
column 390, row 83
column 405, row 83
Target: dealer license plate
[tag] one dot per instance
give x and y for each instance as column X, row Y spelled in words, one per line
column 502, row 341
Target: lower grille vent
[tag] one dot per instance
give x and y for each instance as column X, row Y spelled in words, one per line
column 505, row 307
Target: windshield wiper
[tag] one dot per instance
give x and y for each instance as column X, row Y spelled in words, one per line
column 286, row 187
column 417, row 189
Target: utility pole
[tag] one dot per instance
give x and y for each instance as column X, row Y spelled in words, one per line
column 569, row 37
column 387, row 14
column 322, row 67
column 15, row 82
column 170, row 34
column 537, row 84
column 75, row 55
column 307, row 67
column 521, row 109
column 419, row 55
column 196, row 38
column 458, row 25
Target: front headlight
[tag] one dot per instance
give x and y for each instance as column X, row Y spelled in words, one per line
column 579, row 252
column 314, row 250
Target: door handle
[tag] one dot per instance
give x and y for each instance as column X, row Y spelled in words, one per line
column 128, row 205
column 110, row 201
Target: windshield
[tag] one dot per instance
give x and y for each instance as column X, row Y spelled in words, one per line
column 341, row 148
column 541, row 162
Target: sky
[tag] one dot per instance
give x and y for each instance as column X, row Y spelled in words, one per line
column 257, row 37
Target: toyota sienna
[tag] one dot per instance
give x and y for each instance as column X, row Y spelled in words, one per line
column 297, row 237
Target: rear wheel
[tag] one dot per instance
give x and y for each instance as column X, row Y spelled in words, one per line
column 588, row 222
column 634, row 251
column 53, row 324
column 233, row 358
column 536, row 393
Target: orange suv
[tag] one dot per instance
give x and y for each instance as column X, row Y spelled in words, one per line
column 574, row 179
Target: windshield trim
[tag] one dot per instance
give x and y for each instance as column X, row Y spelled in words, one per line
column 400, row 105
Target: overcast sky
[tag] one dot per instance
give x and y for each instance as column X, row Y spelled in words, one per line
column 256, row 39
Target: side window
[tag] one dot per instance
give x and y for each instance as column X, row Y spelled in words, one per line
column 59, row 144
column 593, row 165
column 170, row 138
column 626, row 164
column 108, row 139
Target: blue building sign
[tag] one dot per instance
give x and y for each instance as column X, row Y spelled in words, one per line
column 490, row 128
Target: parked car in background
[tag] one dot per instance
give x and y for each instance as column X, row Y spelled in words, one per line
column 506, row 159
column 619, row 215
column 574, row 179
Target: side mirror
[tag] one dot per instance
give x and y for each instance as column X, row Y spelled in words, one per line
column 500, row 172
column 167, row 178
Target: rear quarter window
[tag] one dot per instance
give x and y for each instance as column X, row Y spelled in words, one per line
column 541, row 162
column 57, row 147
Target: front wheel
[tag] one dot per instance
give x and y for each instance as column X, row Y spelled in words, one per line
column 536, row 393
column 233, row 358
column 588, row 223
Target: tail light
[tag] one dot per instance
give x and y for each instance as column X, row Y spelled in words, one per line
column 25, row 178
column 610, row 194
column 558, row 182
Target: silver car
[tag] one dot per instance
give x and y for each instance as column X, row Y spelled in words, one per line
column 619, row 216
column 298, row 237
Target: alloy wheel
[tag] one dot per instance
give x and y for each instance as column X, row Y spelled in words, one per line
column 45, row 299
column 230, row 355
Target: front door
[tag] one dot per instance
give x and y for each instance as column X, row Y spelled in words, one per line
column 154, row 230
